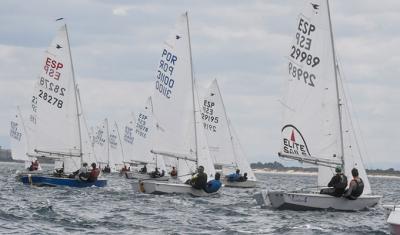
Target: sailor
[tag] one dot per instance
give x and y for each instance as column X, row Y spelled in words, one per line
column 162, row 173
column 338, row 184
column 356, row 186
column 199, row 181
column 155, row 173
column 243, row 178
column 107, row 169
column 94, row 173
column 173, row 172
column 234, row 176
column 124, row 169
column 82, row 173
column 143, row 170
column 34, row 165
column 214, row 185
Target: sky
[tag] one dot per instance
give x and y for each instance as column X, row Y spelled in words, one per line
column 244, row 44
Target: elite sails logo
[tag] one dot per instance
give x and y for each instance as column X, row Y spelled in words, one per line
column 293, row 141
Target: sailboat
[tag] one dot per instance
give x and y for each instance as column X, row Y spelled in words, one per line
column 316, row 124
column 394, row 219
column 222, row 142
column 179, row 134
column 141, row 153
column 58, row 125
column 108, row 147
column 19, row 135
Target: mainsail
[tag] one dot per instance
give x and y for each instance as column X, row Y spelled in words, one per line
column 174, row 103
column 223, row 142
column 312, row 117
column 57, row 122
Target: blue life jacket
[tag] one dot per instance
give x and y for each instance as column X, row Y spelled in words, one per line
column 213, row 186
column 233, row 177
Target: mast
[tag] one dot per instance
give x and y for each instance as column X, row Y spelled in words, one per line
column 76, row 98
column 193, row 96
column 108, row 142
column 337, row 87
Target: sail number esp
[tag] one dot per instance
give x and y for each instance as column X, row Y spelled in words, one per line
column 208, row 116
column 164, row 82
column 301, row 54
column 51, row 92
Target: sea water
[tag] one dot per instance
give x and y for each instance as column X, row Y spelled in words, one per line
column 117, row 209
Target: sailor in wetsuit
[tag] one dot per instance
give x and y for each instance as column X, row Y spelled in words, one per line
column 214, row 185
column 356, row 186
column 199, row 181
column 338, row 184
column 234, row 176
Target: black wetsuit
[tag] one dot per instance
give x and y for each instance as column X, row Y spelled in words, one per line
column 200, row 181
column 339, row 183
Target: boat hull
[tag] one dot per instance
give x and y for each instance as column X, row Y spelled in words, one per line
column 154, row 187
column 394, row 222
column 43, row 180
column 135, row 175
column 316, row 201
column 243, row 184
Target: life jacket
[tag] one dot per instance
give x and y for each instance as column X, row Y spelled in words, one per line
column 213, row 186
column 93, row 175
column 342, row 184
column 359, row 189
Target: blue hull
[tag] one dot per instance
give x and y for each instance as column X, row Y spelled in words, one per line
column 43, row 180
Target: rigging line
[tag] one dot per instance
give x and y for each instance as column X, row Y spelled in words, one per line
column 348, row 98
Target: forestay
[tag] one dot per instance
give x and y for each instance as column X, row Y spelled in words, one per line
column 311, row 115
column 57, row 124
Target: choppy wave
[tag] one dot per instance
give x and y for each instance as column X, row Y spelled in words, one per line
column 116, row 209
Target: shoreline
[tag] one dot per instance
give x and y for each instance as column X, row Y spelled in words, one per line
column 292, row 172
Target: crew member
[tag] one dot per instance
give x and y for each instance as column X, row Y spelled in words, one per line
column 338, row 184
column 107, row 169
column 173, row 172
column 34, row 165
column 94, row 173
column 243, row 178
column 356, row 186
column 199, row 181
column 143, row 170
column 234, row 176
column 214, row 185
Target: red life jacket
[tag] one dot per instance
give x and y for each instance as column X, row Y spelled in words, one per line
column 94, row 174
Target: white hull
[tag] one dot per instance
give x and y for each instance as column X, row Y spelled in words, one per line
column 155, row 187
column 314, row 201
column 139, row 176
column 244, row 184
column 394, row 222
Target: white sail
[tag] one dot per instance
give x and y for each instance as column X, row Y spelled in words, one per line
column 143, row 132
column 173, row 100
column 116, row 151
column 215, row 124
column 57, row 122
column 100, row 145
column 128, row 138
column 311, row 114
column 240, row 155
column 19, row 139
